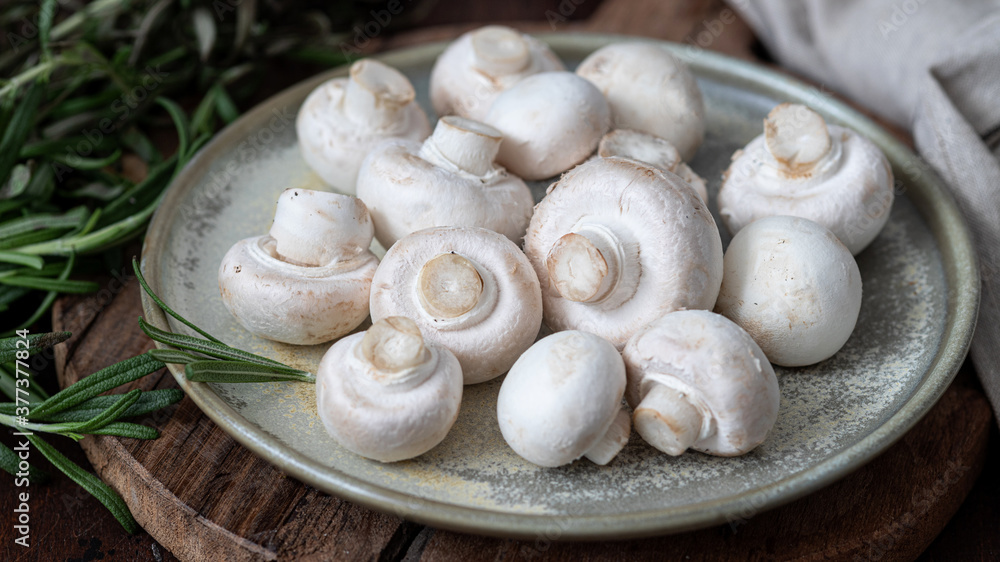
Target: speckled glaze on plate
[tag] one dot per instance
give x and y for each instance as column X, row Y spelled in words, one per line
column 921, row 294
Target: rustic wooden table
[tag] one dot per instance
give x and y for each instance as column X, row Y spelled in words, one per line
column 202, row 496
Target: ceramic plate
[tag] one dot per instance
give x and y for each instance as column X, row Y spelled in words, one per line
column 919, row 308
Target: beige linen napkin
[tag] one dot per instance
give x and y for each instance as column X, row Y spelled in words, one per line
column 932, row 66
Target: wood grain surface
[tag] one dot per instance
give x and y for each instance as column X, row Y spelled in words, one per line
column 201, row 496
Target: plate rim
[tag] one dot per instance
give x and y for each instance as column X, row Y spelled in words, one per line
column 928, row 193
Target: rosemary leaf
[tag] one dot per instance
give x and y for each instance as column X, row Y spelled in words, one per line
column 81, row 163
column 9, row 461
column 71, row 219
column 126, row 429
column 33, row 262
column 111, row 414
column 107, row 378
column 181, row 123
column 46, row 284
column 163, row 306
column 19, row 128
column 224, row 105
column 34, row 393
column 174, row 356
column 51, row 296
column 104, row 494
column 240, row 371
column 149, row 401
column 217, row 350
column 9, row 347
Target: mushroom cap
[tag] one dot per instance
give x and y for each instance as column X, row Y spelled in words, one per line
column 335, row 134
column 503, row 322
column 649, row 90
column 656, row 217
column 561, row 397
column 652, row 150
column 383, row 414
column 292, row 303
column 717, row 366
column 476, row 67
column 793, row 286
column 849, row 190
column 550, row 122
column 406, row 192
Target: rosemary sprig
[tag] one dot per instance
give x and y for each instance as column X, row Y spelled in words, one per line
column 81, row 99
column 216, row 361
column 81, row 409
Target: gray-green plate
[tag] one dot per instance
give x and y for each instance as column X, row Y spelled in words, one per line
column 921, row 294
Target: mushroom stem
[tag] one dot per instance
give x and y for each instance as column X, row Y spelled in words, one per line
column 585, row 265
column 640, row 146
column 796, row 137
column 667, row 420
column 613, row 441
column 376, row 94
column 309, row 227
column 393, row 345
column 500, row 50
column 448, row 286
column 469, row 145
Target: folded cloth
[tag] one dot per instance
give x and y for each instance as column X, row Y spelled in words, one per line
column 932, row 66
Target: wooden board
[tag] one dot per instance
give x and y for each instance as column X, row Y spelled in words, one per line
column 202, row 496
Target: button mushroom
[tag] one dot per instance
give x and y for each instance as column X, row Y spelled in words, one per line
column 652, row 150
column 803, row 167
column 469, row 289
column 386, row 394
column 649, row 90
column 550, row 122
column 562, row 400
column 343, row 119
column 793, row 286
column 617, row 243
column 308, row 281
column 697, row 380
column 449, row 181
column 480, row 64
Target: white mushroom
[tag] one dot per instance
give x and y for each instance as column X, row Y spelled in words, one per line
column 649, row 90
column 803, row 167
column 480, row 64
column 386, row 394
column 550, row 122
column 617, row 243
column 308, row 281
column 696, row 380
column 793, row 286
column 469, row 289
column 562, row 400
column 344, row 118
column 451, row 180
column 652, row 150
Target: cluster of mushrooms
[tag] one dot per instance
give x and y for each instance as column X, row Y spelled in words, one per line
column 621, row 259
